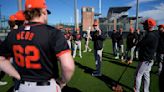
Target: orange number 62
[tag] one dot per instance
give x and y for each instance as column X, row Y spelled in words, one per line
column 27, row 57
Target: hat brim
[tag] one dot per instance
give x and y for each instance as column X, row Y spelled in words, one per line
column 48, row 11
column 94, row 25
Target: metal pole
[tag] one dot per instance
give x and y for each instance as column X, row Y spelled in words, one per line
column 137, row 9
column 0, row 18
column 19, row 4
column 75, row 13
column 100, row 7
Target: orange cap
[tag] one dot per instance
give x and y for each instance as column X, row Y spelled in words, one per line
column 161, row 26
column 20, row 16
column 29, row 4
column 12, row 18
column 95, row 23
column 151, row 22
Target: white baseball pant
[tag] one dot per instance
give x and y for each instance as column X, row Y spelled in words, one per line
column 33, row 87
column 143, row 71
column 77, row 45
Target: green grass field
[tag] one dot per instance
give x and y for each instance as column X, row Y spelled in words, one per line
column 112, row 69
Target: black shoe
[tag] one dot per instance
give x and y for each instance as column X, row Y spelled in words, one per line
column 96, row 74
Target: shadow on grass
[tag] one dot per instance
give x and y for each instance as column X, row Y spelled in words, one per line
column 114, row 61
column 70, row 89
column 108, row 81
column 11, row 89
column 120, row 64
column 111, row 60
column 108, row 53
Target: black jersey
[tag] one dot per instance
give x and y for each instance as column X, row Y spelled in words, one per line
column 115, row 37
column 35, row 48
column 131, row 40
column 148, row 46
column 120, row 39
column 77, row 37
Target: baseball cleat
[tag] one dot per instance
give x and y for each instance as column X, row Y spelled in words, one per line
column 117, row 57
column 96, row 74
column 90, row 50
column 85, row 51
column 3, row 83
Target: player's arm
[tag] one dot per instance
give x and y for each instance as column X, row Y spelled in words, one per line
column 60, row 47
column 67, row 68
column 6, row 66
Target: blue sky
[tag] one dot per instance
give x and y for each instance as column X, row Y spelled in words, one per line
column 62, row 10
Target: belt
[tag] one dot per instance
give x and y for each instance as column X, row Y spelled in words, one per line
column 45, row 83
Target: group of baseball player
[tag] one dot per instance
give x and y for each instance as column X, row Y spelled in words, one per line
column 74, row 40
column 96, row 35
column 131, row 41
column 32, row 50
column 147, row 48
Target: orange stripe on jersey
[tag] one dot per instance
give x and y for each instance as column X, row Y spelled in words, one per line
column 62, row 52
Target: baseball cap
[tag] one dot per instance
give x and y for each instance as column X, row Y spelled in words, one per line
column 19, row 16
column 12, row 17
column 31, row 4
column 150, row 21
column 161, row 26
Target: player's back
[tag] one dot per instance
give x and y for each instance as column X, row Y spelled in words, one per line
column 34, row 50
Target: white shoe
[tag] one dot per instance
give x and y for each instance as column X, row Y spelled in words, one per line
column 3, row 83
column 122, row 57
column 85, row 51
column 90, row 50
column 80, row 56
column 117, row 57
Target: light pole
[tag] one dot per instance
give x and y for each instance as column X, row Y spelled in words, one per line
column 19, row 4
column 100, row 7
column 0, row 18
column 137, row 9
column 75, row 15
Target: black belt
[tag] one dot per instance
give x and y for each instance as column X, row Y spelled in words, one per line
column 45, row 83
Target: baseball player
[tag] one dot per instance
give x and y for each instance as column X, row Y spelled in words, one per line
column 5, row 64
column 68, row 36
column 98, row 38
column 147, row 48
column 160, row 50
column 131, row 45
column 139, row 38
column 87, row 38
column 15, row 21
column 114, row 37
column 120, row 45
column 36, row 48
column 77, row 43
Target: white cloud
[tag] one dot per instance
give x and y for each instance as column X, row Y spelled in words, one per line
column 133, row 2
column 157, row 13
